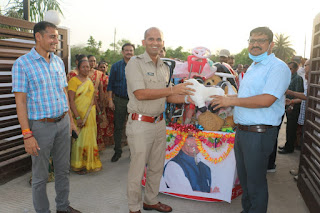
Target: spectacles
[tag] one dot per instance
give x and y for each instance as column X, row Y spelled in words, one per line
column 259, row 41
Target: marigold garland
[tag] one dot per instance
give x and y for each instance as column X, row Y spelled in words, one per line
column 211, row 139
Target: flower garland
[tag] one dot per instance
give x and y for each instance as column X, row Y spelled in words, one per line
column 210, row 139
column 223, row 156
column 179, row 141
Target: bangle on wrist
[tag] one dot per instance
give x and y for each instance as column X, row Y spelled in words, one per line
column 186, row 99
column 77, row 118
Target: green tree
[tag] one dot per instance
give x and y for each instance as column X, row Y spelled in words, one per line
column 139, row 50
column 243, row 57
column 119, row 44
column 282, row 47
column 93, row 47
column 37, row 8
column 177, row 53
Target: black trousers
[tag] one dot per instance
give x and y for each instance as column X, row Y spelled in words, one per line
column 120, row 117
column 291, row 130
column 252, row 151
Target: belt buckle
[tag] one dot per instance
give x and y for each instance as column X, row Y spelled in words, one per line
column 157, row 119
column 139, row 117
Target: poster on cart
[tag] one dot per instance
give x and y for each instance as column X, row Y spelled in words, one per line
column 200, row 166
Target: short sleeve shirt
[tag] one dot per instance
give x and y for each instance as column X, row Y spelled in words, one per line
column 43, row 82
column 142, row 73
column 270, row 76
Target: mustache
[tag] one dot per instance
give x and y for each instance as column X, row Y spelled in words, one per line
column 256, row 47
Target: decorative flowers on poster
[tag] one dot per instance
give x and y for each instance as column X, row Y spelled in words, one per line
column 215, row 147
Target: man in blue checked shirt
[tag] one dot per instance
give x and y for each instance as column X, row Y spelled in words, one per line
column 38, row 83
column 118, row 97
column 259, row 107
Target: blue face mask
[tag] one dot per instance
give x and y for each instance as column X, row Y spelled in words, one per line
column 259, row 58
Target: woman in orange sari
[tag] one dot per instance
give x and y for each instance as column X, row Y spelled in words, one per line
column 75, row 72
column 108, row 131
column 96, row 77
column 84, row 153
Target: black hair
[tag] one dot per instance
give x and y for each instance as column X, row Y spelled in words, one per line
column 263, row 30
column 80, row 62
column 80, row 56
column 295, row 64
column 101, row 62
column 41, row 27
column 89, row 56
column 128, row 44
column 164, row 49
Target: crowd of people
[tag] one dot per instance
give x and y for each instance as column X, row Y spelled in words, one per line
column 96, row 109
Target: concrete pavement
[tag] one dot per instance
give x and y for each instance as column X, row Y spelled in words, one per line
column 105, row 191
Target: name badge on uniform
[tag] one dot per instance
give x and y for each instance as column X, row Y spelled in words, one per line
column 150, row 73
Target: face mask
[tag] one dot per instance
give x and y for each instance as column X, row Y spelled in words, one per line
column 261, row 57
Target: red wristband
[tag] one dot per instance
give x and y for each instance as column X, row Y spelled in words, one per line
column 28, row 137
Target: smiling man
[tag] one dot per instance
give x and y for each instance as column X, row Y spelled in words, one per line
column 38, row 83
column 147, row 77
column 259, row 106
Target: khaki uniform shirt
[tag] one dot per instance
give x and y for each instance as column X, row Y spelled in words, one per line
column 142, row 73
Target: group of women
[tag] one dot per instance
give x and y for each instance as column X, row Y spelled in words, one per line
column 87, row 91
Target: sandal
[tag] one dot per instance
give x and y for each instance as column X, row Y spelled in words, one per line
column 81, row 172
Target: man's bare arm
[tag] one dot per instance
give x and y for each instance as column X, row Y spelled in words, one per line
column 258, row 101
column 72, row 125
column 30, row 144
column 152, row 94
column 299, row 95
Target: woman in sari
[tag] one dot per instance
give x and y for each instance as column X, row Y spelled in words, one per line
column 84, row 153
column 96, row 77
column 107, row 132
column 75, row 72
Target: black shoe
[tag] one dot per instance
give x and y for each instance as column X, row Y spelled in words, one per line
column 284, row 151
column 115, row 157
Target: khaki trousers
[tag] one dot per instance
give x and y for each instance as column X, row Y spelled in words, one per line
column 147, row 143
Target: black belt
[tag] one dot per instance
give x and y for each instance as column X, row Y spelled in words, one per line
column 254, row 128
column 123, row 97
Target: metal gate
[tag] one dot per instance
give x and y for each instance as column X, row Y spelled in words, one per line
column 309, row 169
column 16, row 39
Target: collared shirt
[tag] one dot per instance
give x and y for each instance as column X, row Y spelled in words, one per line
column 296, row 84
column 142, row 73
column 117, row 79
column 270, row 76
column 43, row 82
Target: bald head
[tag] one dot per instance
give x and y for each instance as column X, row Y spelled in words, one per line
column 151, row 29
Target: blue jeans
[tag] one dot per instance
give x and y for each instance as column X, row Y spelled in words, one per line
column 52, row 138
column 252, row 151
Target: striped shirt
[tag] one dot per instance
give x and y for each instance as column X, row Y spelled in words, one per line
column 43, row 82
column 117, row 79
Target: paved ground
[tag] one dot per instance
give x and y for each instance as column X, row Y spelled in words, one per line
column 105, row 191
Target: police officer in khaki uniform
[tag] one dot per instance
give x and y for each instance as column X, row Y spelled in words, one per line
column 146, row 77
